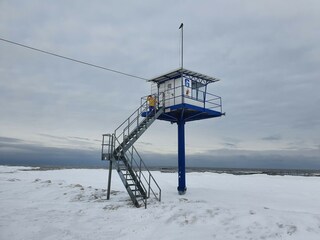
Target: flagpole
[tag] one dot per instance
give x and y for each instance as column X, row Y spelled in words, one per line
column 181, row 27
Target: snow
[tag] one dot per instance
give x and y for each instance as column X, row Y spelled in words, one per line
column 71, row 204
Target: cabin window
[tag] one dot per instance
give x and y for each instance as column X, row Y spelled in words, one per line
column 198, row 91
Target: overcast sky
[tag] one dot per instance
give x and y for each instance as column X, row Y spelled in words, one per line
column 266, row 53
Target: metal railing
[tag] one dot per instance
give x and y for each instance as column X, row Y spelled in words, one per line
column 113, row 148
column 107, row 146
column 135, row 162
column 133, row 121
column 198, row 97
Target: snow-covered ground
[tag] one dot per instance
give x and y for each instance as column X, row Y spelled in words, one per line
column 71, row 204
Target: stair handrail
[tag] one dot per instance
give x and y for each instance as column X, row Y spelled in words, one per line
column 109, row 145
column 140, row 172
column 135, row 163
column 150, row 176
column 138, row 118
column 129, row 122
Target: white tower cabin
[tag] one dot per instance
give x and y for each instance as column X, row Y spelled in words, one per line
column 185, row 92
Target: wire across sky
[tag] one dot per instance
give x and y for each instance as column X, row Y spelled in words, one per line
column 71, row 59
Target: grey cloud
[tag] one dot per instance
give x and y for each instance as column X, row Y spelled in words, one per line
column 36, row 155
column 20, row 153
column 9, row 140
column 145, row 143
column 230, row 142
column 69, row 141
column 230, row 145
column 272, row 138
column 80, row 138
column 266, row 54
column 52, row 136
column 224, row 158
column 68, row 138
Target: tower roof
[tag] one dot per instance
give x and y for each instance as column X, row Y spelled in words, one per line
column 187, row 73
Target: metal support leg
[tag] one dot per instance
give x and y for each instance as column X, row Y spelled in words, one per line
column 109, row 180
column 181, row 159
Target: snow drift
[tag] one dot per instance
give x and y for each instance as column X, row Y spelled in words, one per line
column 71, row 204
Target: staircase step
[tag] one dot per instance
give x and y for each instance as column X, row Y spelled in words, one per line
column 136, row 190
column 131, row 180
column 140, row 196
column 127, row 172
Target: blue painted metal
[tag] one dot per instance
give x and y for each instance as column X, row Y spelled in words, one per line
column 181, row 158
column 191, row 113
column 187, row 101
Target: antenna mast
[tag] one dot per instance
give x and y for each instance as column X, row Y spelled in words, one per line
column 181, row 27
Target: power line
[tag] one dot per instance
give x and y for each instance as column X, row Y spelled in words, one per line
column 72, row 59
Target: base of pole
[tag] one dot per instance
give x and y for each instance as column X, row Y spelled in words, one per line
column 109, row 180
column 182, row 192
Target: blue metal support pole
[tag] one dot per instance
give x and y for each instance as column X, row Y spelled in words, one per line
column 181, row 158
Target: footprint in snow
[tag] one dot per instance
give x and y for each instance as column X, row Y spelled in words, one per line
column 13, row 180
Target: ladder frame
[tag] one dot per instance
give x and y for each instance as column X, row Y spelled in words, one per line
column 119, row 150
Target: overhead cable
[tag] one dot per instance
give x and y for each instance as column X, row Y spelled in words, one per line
column 72, row 59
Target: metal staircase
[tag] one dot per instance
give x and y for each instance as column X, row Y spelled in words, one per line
column 118, row 148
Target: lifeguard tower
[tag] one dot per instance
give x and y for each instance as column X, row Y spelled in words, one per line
column 181, row 97
column 184, row 97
